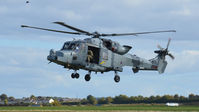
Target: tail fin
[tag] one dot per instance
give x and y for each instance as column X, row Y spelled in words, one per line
column 160, row 60
column 162, row 66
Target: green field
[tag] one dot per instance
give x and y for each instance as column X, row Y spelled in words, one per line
column 101, row 108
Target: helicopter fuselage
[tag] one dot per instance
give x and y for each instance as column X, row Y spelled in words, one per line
column 74, row 55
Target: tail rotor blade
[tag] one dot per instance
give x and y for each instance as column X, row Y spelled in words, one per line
column 168, row 43
column 171, row 56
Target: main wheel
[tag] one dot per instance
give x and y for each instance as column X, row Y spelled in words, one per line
column 73, row 75
column 76, row 75
column 117, row 78
column 87, row 77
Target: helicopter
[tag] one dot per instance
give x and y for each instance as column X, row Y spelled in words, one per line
column 97, row 54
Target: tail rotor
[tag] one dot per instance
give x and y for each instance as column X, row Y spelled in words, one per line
column 163, row 52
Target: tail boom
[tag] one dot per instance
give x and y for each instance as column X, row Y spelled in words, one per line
column 155, row 64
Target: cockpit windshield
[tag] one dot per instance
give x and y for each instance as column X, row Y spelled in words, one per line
column 70, row 46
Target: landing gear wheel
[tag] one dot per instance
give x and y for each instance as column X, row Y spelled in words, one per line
column 87, row 77
column 73, row 75
column 76, row 75
column 117, row 78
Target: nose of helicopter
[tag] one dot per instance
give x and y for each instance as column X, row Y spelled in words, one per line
column 52, row 56
column 60, row 56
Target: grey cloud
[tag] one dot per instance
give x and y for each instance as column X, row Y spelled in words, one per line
column 126, row 14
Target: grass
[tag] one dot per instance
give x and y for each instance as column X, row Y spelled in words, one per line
column 104, row 108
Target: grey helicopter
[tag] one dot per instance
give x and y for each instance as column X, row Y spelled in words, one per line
column 97, row 54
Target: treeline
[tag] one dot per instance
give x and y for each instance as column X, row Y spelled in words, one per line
column 120, row 99
column 123, row 99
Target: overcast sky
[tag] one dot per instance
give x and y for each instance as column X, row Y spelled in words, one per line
column 24, row 69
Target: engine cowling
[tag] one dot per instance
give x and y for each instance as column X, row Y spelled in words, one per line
column 121, row 49
column 116, row 47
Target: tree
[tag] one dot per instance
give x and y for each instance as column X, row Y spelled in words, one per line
column 191, row 96
column 182, row 99
column 176, row 96
column 166, row 98
column 132, row 99
column 84, row 101
column 91, row 99
column 109, row 100
column 151, row 99
column 140, row 98
column 5, row 102
column 101, row 100
column 11, row 98
column 32, row 97
column 56, row 103
column 40, row 98
column 121, row 99
column 3, row 97
column 157, row 99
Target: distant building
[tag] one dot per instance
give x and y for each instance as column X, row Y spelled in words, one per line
column 51, row 101
column 172, row 104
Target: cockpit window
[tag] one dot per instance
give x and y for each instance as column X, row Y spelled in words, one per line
column 70, row 46
column 65, row 46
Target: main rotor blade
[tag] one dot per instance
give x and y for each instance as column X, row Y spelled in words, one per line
column 135, row 34
column 73, row 28
column 115, row 34
column 76, row 33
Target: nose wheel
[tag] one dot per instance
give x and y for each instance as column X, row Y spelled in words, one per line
column 88, row 76
column 117, row 77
